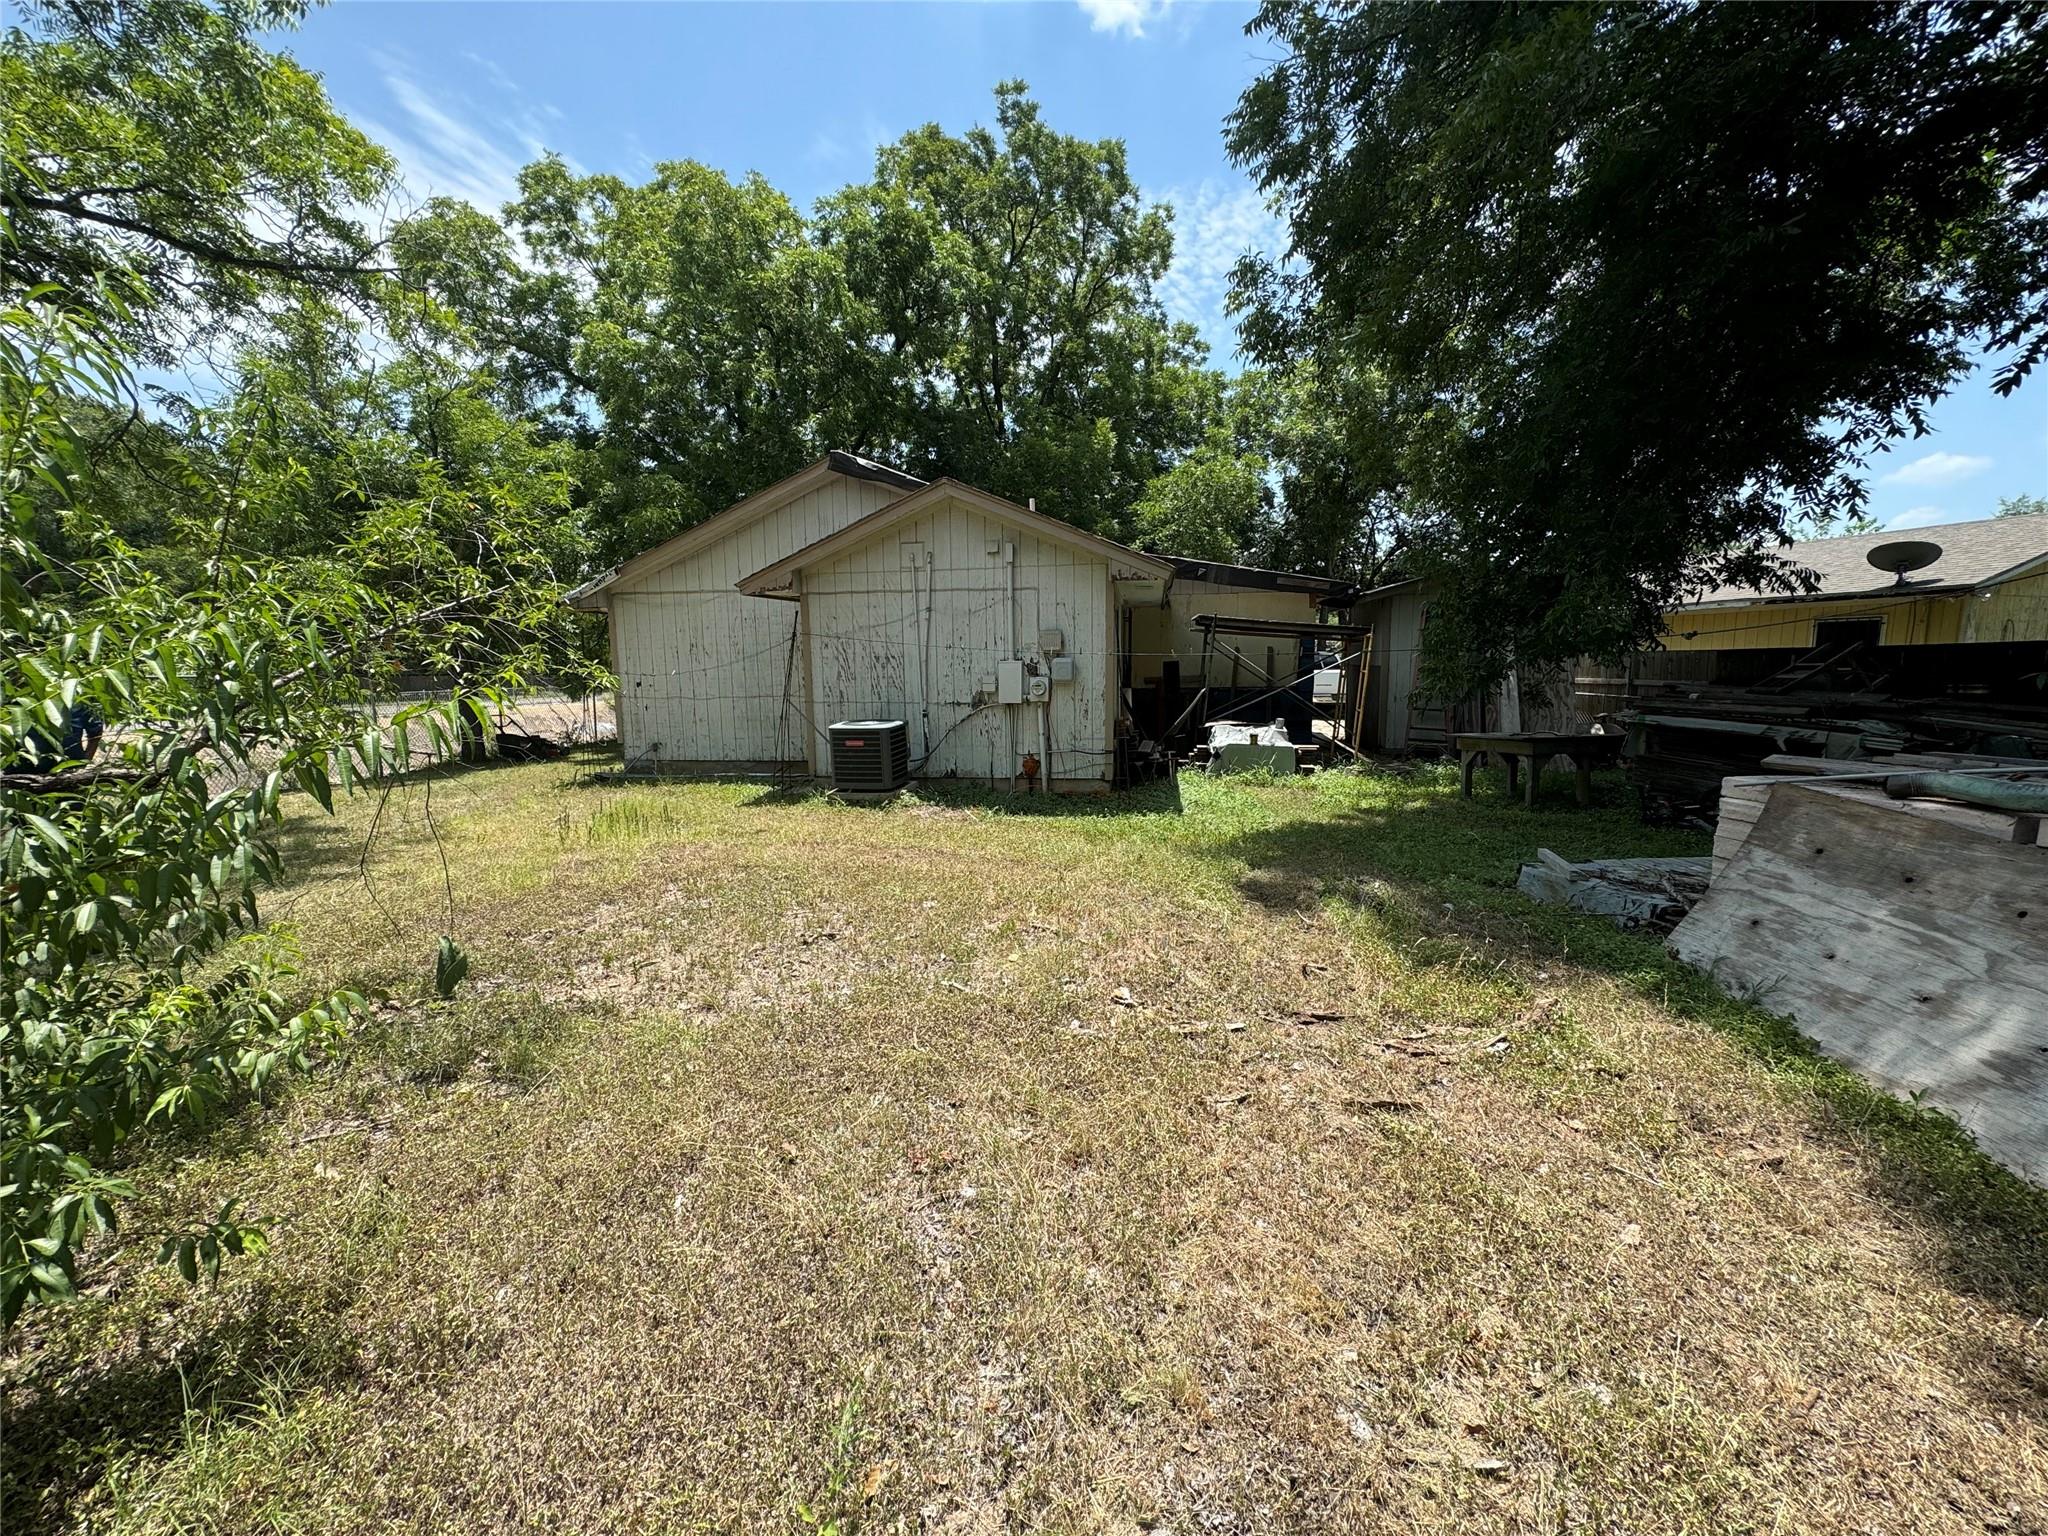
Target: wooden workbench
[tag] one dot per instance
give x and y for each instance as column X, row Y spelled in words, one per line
column 1536, row 748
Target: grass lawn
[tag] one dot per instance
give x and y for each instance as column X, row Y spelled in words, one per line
column 1240, row 1158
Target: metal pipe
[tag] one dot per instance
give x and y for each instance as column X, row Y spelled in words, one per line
column 1045, row 740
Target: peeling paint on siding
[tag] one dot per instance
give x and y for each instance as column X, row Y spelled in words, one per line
column 702, row 668
column 910, row 626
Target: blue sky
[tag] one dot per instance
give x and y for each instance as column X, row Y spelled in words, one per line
column 465, row 93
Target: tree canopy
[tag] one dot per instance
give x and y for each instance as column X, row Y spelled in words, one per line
column 160, row 138
column 1643, row 284
column 984, row 307
column 1000, row 284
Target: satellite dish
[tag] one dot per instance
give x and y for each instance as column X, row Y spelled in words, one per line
column 1902, row 555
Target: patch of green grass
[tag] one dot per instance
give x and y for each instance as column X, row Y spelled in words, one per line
column 1230, row 1155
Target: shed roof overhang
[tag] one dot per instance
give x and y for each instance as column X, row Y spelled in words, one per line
column 1331, row 591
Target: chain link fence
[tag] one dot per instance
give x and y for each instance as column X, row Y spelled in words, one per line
column 550, row 716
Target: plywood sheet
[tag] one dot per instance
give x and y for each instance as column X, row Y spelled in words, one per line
column 1912, row 947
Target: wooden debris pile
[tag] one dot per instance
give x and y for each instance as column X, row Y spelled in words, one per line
column 1684, row 739
column 1647, row 894
column 1907, row 936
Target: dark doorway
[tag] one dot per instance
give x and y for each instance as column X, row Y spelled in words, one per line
column 1837, row 633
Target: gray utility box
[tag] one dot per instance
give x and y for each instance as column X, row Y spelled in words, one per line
column 870, row 756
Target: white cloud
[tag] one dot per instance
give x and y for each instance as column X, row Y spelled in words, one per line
column 1213, row 226
column 1125, row 16
column 448, row 146
column 1938, row 469
column 1919, row 517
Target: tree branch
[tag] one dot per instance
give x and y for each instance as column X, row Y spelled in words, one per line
column 200, row 250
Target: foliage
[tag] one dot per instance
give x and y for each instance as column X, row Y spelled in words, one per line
column 158, row 136
column 130, row 1001
column 1001, row 286
column 984, row 307
column 404, row 471
column 1644, row 284
column 2022, row 506
column 1337, row 485
column 680, row 332
column 1209, row 506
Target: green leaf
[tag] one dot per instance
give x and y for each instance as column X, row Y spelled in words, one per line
column 450, row 966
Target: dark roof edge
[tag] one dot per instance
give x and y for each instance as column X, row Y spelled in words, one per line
column 1256, row 576
column 855, row 467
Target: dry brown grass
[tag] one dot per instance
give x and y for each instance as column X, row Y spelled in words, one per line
column 788, row 1166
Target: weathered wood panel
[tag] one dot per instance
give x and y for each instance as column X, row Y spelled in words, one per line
column 705, row 673
column 1910, row 946
column 2012, row 610
column 1396, row 620
column 911, row 623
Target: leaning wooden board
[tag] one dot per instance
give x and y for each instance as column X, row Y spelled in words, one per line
column 1743, row 800
column 1912, row 947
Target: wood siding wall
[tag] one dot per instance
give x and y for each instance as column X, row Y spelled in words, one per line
column 2012, row 610
column 1789, row 626
column 703, row 668
column 910, row 626
column 1392, row 690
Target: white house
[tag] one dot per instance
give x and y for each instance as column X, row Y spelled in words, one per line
column 994, row 631
column 704, row 671
column 932, row 603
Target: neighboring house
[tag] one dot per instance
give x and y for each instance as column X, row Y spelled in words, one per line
column 1922, row 640
column 1988, row 584
column 1975, row 618
column 703, row 670
column 937, row 607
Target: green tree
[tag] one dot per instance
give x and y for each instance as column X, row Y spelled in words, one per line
column 1002, row 292
column 1209, row 506
column 133, row 992
column 681, row 333
column 1339, row 488
column 405, row 467
column 2022, row 506
column 1645, row 284
column 158, row 137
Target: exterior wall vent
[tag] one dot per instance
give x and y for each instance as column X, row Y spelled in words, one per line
column 869, row 756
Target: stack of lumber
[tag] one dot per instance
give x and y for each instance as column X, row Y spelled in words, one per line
column 1907, row 937
column 1683, row 740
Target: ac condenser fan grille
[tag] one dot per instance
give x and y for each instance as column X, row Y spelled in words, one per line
column 870, row 756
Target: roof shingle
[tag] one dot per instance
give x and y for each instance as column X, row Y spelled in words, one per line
column 1971, row 554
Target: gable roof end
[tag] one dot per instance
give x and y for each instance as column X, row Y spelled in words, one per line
column 740, row 514
column 776, row 580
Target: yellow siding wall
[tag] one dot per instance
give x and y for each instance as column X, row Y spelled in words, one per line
column 2013, row 610
column 1157, row 633
column 1789, row 626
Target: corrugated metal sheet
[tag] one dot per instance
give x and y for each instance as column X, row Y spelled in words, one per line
column 910, row 625
column 703, row 670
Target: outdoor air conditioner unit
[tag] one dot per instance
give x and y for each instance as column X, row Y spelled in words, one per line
column 870, row 756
